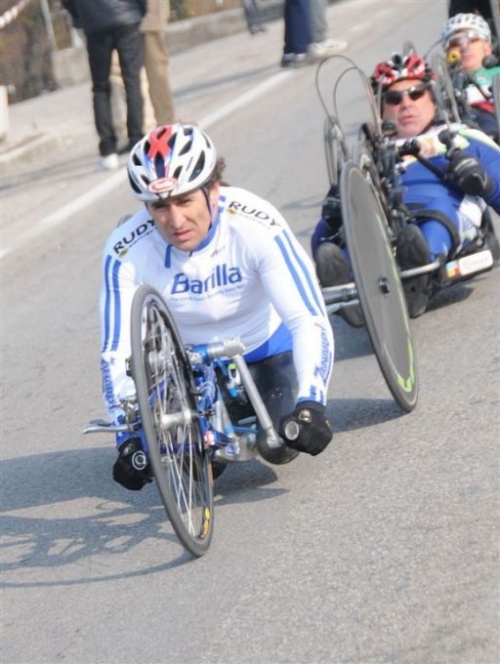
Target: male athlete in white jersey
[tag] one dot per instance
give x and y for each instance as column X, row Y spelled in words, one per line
column 227, row 265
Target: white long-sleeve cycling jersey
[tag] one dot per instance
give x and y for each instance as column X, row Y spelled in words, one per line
column 249, row 278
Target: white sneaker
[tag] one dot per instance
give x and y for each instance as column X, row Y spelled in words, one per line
column 109, row 163
column 324, row 49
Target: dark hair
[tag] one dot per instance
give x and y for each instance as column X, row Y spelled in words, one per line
column 216, row 177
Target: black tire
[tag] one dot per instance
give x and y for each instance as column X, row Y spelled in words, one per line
column 380, row 291
column 218, row 468
column 176, row 450
column 491, row 237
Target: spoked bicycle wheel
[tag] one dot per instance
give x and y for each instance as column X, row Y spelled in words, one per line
column 379, row 286
column 176, row 451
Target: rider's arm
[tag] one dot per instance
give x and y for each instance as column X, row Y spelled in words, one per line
column 289, row 278
column 488, row 153
column 115, row 301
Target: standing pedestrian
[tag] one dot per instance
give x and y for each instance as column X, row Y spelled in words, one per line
column 306, row 33
column 153, row 28
column 253, row 16
column 112, row 25
column 322, row 45
column 297, row 33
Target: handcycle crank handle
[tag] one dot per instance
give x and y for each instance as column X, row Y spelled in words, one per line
column 292, row 430
column 99, row 426
column 413, row 148
column 216, row 349
column 266, row 423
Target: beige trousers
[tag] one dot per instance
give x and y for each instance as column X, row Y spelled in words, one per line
column 156, row 65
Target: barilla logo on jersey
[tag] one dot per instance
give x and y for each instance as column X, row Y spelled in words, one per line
column 241, row 208
column 163, row 186
column 221, row 275
column 123, row 245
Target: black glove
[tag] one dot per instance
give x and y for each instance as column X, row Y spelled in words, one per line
column 131, row 469
column 466, row 173
column 331, row 211
column 306, row 429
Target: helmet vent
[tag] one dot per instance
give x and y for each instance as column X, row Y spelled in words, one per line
column 159, row 165
column 186, row 148
column 200, row 164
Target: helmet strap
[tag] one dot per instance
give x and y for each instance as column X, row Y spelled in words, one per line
column 206, row 193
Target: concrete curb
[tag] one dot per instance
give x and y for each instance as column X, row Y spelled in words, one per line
column 28, row 149
column 71, row 67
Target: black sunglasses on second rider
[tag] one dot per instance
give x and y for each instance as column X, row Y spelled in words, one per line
column 395, row 97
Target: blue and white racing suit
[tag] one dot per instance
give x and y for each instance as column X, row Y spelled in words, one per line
column 249, row 278
column 426, row 193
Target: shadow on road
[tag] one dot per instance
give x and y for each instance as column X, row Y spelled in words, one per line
column 62, row 509
column 353, row 414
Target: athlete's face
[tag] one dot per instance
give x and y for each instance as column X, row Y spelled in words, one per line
column 184, row 221
column 410, row 106
column 470, row 49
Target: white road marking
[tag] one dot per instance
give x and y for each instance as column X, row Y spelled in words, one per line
column 67, row 211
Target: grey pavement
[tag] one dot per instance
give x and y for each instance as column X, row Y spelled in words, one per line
column 42, row 125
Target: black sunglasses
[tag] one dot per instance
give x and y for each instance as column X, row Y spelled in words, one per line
column 395, row 97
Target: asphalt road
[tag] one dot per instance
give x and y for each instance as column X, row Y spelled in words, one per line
column 382, row 549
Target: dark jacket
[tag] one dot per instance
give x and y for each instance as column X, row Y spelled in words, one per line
column 96, row 15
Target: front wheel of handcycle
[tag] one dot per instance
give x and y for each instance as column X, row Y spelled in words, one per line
column 379, row 287
column 175, row 445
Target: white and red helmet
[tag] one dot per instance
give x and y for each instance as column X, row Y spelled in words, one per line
column 169, row 161
column 399, row 68
column 463, row 23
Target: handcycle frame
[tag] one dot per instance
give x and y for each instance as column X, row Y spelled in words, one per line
column 178, row 410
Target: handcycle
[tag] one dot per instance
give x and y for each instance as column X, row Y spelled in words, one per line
column 178, row 410
column 454, row 86
column 183, row 397
column 366, row 165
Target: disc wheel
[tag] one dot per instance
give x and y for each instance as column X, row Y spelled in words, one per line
column 379, row 287
column 175, row 446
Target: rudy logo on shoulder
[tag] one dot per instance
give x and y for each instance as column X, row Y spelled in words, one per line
column 163, row 186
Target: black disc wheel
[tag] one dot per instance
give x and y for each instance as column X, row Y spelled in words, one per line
column 379, row 287
column 175, row 446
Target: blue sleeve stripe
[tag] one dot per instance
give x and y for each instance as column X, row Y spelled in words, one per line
column 168, row 256
column 106, row 304
column 112, row 297
column 306, row 276
column 116, row 335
